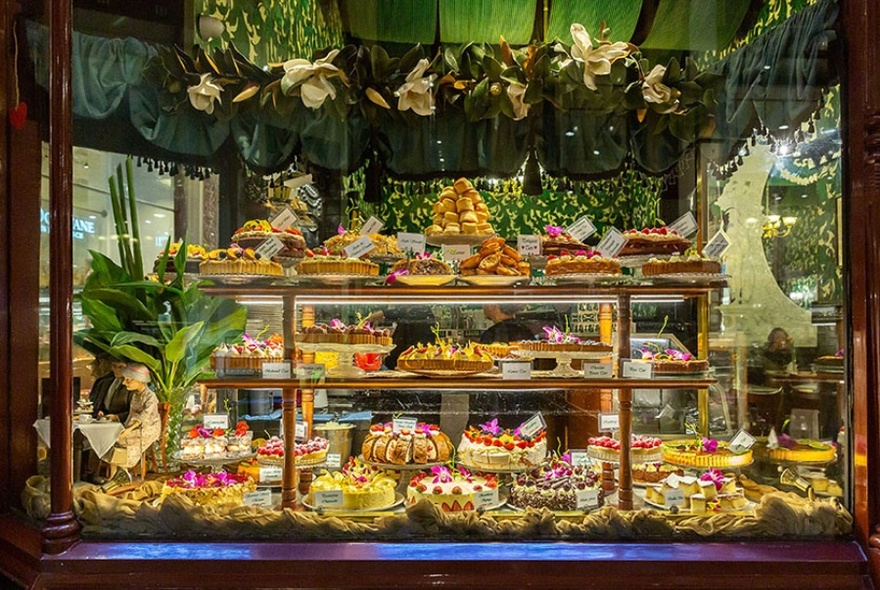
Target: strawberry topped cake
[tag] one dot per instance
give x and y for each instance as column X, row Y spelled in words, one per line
column 256, row 231
column 452, row 491
column 247, row 357
column 425, row 444
column 554, row 485
column 643, row 449
column 310, row 452
column 488, row 446
column 556, row 241
column 653, row 240
column 217, row 443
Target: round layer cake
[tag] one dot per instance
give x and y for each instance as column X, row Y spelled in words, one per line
column 256, row 231
column 312, row 451
column 328, row 264
column 426, row 444
column 581, row 262
column 802, row 450
column 363, row 486
column 557, row 340
column 445, row 356
column 556, row 242
column 218, row 490
column 239, row 261
column 643, row 449
column 554, row 485
column 707, row 453
column 452, row 491
column 677, row 264
column 653, row 240
column 488, row 446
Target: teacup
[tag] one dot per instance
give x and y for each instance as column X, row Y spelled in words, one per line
column 85, row 418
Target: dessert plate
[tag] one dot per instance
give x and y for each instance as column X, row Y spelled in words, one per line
column 475, row 469
column 748, row 508
column 279, row 461
column 689, row 278
column 336, row 280
column 589, row 278
column 398, row 500
column 495, row 280
column 398, row 467
column 424, row 280
column 453, row 239
column 446, row 374
column 241, row 279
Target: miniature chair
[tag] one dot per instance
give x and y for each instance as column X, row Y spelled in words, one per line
column 126, row 457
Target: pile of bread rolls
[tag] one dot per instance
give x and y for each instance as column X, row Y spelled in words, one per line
column 495, row 257
column 460, row 210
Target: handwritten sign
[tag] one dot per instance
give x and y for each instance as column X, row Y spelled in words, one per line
column 533, row 425
column 269, row 248
column 409, row 242
column 333, row 460
column 259, row 498
column 359, row 247
column 328, row 498
column 271, row 474
column 284, row 220
column 404, row 423
column 516, row 370
column 486, row 498
column 685, row 225
column 742, row 441
column 579, row 457
column 300, row 431
column 609, row 422
column 611, row 244
column 597, row 370
column 581, row 229
column 372, row 226
column 455, row 251
column 312, row 371
column 212, row 421
column 673, row 497
column 528, row 245
column 637, row 370
column 717, row 246
column 276, row 370
column 587, row 499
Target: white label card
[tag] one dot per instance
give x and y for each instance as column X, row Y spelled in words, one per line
column 528, row 245
column 579, row 457
column 516, row 370
column 259, row 498
column 609, row 422
column 611, row 244
column 312, row 371
column 404, row 423
column 486, row 498
column 213, row 421
column 637, row 370
column 333, row 460
column 328, row 498
column 271, row 474
column 581, row 229
column 455, row 251
column 686, row 225
column 409, row 242
column 533, row 425
column 311, row 190
column 276, row 370
column 674, row 497
column 717, row 246
column 359, row 247
column 742, row 441
column 284, row 220
column 372, row 226
column 270, row 247
column 587, row 499
column 597, row 370
column 300, row 431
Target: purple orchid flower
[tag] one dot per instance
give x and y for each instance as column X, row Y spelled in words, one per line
column 341, row 230
column 441, row 474
column 554, row 231
column 491, row 427
column 710, row 445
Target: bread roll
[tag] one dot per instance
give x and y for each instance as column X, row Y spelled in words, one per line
column 482, row 216
column 433, row 230
column 481, row 207
column 464, row 204
column 468, row 216
column 452, row 228
column 461, row 185
column 448, row 193
column 469, row 227
column 450, row 217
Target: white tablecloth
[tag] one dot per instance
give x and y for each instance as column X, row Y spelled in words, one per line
column 101, row 435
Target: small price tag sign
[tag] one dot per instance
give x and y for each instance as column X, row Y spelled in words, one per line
column 212, row 421
column 372, row 226
column 270, row 474
column 300, row 431
column 587, row 499
column 409, row 242
column 742, row 441
column 579, row 457
column 311, row 371
column 259, row 498
column 609, row 422
column 516, row 370
column 685, row 225
column 328, row 498
column 597, row 370
column 284, row 220
column 528, row 245
column 637, row 370
column 404, row 423
column 674, row 497
column 333, row 460
column 455, row 251
column 486, row 498
column 276, row 370
column 359, row 247
column 581, row 229
column 717, row 246
column 611, row 244
column 270, row 247
column 533, row 425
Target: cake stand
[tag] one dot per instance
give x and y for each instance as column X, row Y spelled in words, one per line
column 564, row 358
column 346, row 352
column 215, row 463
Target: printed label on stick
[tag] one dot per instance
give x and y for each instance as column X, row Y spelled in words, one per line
column 533, row 425
column 528, row 245
column 372, row 226
column 597, row 370
column 611, row 244
column 404, row 423
column 212, row 421
column 328, row 498
column 609, row 422
column 637, row 370
column 516, row 370
column 333, row 460
column 685, row 225
column 270, row 247
column 579, row 457
column 409, row 242
column 674, row 497
column 486, row 498
column 359, row 247
column 717, row 246
column 742, row 441
column 587, row 499
column 455, row 251
column 284, row 220
column 276, row 370
column 300, row 429
column 271, row 474
column 311, row 371
column 581, row 229
column 259, row 498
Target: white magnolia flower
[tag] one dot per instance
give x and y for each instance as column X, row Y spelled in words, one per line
column 597, row 61
column 313, row 77
column 655, row 91
column 517, row 93
column 203, row 94
column 416, row 93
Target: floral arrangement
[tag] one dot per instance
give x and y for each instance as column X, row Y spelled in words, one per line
column 557, row 336
column 715, row 476
column 241, row 429
column 193, row 480
column 667, row 355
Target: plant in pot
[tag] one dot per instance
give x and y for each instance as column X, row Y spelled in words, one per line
column 170, row 325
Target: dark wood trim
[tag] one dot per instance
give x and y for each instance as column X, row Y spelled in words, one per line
column 6, row 91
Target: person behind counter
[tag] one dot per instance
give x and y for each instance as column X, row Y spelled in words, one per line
column 778, row 351
column 109, row 397
column 413, row 324
column 506, row 327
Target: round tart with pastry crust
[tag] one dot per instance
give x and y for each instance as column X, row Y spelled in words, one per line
column 256, row 231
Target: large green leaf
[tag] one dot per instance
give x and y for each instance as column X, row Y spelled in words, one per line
column 134, row 354
column 104, row 272
column 176, row 347
column 134, row 337
column 101, row 316
column 122, row 301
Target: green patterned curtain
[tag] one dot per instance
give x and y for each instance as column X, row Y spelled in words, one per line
column 465, row 21
column 392, row 21
column 696, row 25
column 620, row 17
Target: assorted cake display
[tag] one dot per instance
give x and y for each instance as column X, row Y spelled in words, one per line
column 653, row 472
column 445, row 356
column 580, row 262
column 653, row 241
column 488, row 446
column 451, row 490
column 495, row 257
column 643, row 449
column 248, row 356
column 256, row 231
column 363, row 487
column 203, row 443
column 555, row 485
column 460, row 209
column 424, row 444
column 236, row 260
column 712, row 491
column 337, row 332
column 216, row 490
